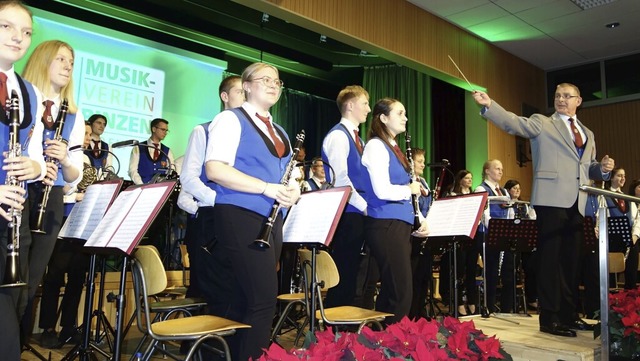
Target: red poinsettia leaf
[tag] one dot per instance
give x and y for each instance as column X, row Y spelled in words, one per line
column 457, row 344
column 489, row 347
column 275, row 352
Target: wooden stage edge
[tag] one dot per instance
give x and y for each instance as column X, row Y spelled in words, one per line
column 524, row 341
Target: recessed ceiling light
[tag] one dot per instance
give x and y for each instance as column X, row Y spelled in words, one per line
column 588, row 4
column 612, row 25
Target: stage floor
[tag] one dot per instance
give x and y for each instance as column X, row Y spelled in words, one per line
column 526, row 342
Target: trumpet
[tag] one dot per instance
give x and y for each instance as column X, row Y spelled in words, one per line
column 263, row 239
column 412, row 175
column 42, row 206
column 12, row 270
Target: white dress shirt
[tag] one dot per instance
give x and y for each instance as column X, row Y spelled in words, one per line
column 195, row 193
column 376, row 159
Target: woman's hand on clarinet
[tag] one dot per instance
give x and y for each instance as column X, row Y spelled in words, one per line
column 11, row 196
column 52, row 173
column 22, row 167
column 423, row 231
column 285, row 195
column 415, row 187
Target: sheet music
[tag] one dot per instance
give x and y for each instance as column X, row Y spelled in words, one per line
column 312, row 218
column 129, row 217
column 86, row 215
column 455, row 216
column 138, row 219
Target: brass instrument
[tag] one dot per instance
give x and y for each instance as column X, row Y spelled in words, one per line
column 412, row 175
column 12, row 270
column 42, row 206
column 263, row 239
column 89, row 176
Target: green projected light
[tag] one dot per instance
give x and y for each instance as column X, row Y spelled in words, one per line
column 133, row 80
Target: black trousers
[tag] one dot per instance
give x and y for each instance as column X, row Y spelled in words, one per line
column 560, row 240
column 422, row 275
column 390, row 243
column 42, row 245
column 345, row 251
column 245, row 286
column 68, row 258
column 10, row 297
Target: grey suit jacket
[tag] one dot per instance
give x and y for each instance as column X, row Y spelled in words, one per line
column 557, row 169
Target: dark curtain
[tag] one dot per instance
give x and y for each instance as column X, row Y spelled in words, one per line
column 296, row 111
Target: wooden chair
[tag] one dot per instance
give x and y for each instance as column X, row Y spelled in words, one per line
column 148, row 280
column 616, row 266
column 327, row 276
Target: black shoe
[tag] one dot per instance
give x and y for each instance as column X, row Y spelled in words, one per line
column 558, row 329
column 70, row 335
column 579, row 325
column 49, row 339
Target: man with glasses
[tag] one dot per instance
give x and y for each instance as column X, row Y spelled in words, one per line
column 317, row 180
column 564, row 157
column 151, row 157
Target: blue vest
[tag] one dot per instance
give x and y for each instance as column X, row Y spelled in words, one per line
column 255, row 157
column 101, row 161
column 384, row 209
column 495, row 210
column 357, row 172
column 30, row 108
column 147, row 168
column 69, row 121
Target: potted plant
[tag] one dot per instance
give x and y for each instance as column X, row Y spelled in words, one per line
column 417, row 340
column 624, row 324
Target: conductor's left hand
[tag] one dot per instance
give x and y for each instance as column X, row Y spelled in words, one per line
column 607, row 164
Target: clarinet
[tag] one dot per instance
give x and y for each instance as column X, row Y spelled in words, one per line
column 265, row 233
column 412, row 175
column 12, row 270
column 42, row 206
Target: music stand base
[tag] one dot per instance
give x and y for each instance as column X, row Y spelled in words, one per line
column 28, row 347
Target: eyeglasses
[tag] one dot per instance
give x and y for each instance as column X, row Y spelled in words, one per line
column 267, row 81
column 565, row 96
column 166, row 130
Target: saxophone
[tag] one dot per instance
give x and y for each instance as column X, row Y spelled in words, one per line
column 42, row 206
column 12, row 270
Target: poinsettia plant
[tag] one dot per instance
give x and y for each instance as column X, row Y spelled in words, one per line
column 624, row 323
column 419, row 340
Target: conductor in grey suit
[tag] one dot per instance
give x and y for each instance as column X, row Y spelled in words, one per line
column 564, row 156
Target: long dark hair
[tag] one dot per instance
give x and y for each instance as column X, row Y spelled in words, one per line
column 632, row 187
column 379, row 129
column 607, row 184
column 456, row 181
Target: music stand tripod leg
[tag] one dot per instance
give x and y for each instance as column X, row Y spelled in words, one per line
column 485, row 311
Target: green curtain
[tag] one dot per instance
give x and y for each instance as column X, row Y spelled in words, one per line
column 410, row 87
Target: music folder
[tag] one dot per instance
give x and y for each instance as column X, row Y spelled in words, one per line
column 315, row 217
column 456, row 216
column 128, row 218
column 87, row 214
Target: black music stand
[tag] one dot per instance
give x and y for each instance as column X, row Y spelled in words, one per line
column 118, row 233
column 452, row 244
column 515, row 235
column 454, row 219
column 312, row 223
